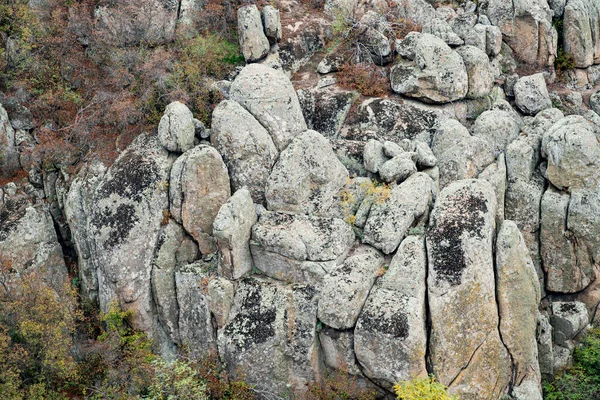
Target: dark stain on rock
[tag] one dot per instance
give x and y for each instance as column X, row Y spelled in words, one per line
column 395, row 325
column 255, row 323
column 462, row 213
column 131, row 176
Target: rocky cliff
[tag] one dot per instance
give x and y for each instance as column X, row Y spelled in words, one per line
column 451, row 227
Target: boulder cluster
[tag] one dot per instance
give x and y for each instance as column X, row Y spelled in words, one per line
column 452, row 228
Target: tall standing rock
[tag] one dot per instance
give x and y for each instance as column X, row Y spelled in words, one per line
column 253, row 41
column 124, row 226
column 270, row 338
column 518, row 298
column 581, row 31
column 306, row 177
column 269, row 95
column 465, row 347
column 9, row 157
column 199, row 187
column 272, row 23
column 232, row 227
column 246, row 147
column 390, row 338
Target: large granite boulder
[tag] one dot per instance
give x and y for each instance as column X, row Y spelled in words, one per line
column 306, row 177
column 270, row 339
column 467, row 356
column 299, row 248
column 270, row 97
column 479, row 71
column 246, row 147
column 390, row 338
column 129, row 205
column 573, row 153
column 531, row 94
column 465, row 160
column 429, row 70
column 389, row 220
column 199, row 186
column 9, row 156
column 581, row 30
column 498, row 127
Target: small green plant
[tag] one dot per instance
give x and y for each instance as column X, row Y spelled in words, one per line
column 422, row 389
column 176, row 380
column 582, row 381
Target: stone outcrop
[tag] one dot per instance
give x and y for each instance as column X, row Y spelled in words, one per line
column 253, row 41
column 176, row 128
column 306, row 177
column 429, row 70
column 199, row 186
column 390, row 338
column 470, row 358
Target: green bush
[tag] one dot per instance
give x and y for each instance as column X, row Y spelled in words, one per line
column 582, row 381
column 422, row 389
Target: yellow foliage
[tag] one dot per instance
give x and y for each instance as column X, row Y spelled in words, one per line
column 422, row 389
column 381, row 192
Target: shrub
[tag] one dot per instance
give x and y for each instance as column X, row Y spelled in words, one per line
column 563, row 61
column 176, row 380
column 367, row 79
column 582, row 381
column 422, row 389
column 340, row 386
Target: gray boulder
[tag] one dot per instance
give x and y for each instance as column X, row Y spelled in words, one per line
column 270, row 338
column 595, row 102
column 124, row 226
column 269, row 95
column 374, row 156
column 346, row 287
column 271, row 23
column 531, row 94
column 465, row 160
column 176, row 129
column 495, row 174
column 389, row 220
column 232, row 228
column 449, row 133
column 9, row 156
column 468, row 357
column 584, row 220
column 390, row 338
column 253, row 42
column 581, row 27
column 573, row 153
column 428, row 70
column 246, row 147
column 306, row 177
column 498, row 127
column 568, row 319
column 479, row 71
column 199, row 186
column 398, row 169
column 442, row 29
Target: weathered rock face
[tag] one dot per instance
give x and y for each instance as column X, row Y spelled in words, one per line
column 326, row 109
column 270, row 336
column 232, row 227
column 569, row 267
column 176, row 128
column 495, row 174
column 573, row 153
column 429, row 70
column 28, row 245
column 270, row 97
column 299, row 248
column 581, row 27
column 390, row 338
column 271, row 23
column 527, row 28
column 198, row 188
column 479, row 71
column 468, row 357
column 518, row 292
column 253, row 41
column 389, row 221
column 246, row 147
column 498, row 127
column 173, row 250
column 347, row 286
column 306, row 177
column 568, row 319
column 465, row 160
column 124, row 226
column 9, row 157
column 531, row 94
column 388, row 119
column 195, row 325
